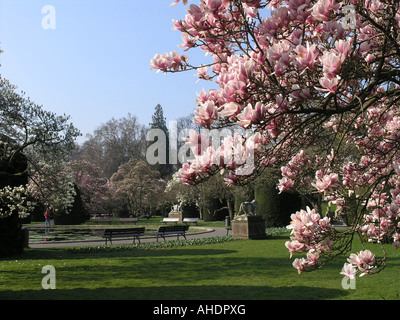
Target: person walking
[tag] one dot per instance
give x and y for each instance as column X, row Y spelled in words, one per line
column 47, row 218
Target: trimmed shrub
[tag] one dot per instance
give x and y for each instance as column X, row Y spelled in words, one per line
column 76, row 215
column 275, row 208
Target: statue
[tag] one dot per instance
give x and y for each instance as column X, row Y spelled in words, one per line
column 249, row 209
column 176, row 208
column 247, row 224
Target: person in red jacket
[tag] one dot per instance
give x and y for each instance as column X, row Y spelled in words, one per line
column 47, row 218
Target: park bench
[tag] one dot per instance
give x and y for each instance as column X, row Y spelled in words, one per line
column 170, row 220
column 134, row 233
column 190, row 220
column 108, row 220
column 129, row 220
column 172, row 230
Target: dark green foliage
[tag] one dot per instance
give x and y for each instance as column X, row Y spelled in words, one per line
column 159, row 122
column 12, row 167
column 214, row 210
column 13, row 174
column 242, row 194
column 76, row 215
column 275, row 208
column 37, row 214
column 190, row 211
column 11, row 241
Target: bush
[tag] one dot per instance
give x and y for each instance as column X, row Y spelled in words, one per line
column 13, row 175
column 212, row 210
column 275, row 208
column 77, row 214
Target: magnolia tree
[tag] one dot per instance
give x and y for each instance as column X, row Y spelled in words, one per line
column 44, row 140
column 53, row 186
column 310, row 80
column 94, row 188
column 138, row 186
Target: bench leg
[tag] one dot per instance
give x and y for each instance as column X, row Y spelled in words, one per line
column 181, row 235
column 134, row 239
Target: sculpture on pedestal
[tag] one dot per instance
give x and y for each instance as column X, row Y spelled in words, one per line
column 248, row 225
column 249, row 209
column 176, row 208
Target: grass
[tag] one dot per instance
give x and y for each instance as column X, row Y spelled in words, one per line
column 229, row 270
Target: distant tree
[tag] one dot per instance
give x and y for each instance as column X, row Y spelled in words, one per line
column 137, row 186
column 53, row 186
column 92, row 185
column 114, row 143
column 159, row 122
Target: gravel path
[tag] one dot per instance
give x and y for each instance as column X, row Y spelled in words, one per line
column 207, row 233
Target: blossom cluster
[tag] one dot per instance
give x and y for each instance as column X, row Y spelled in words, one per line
column 14, row 200
column 166, row 62
column 213, row 148
column 310, row 233
column 362, row 263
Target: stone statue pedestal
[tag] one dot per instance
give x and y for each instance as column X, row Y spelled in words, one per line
column 250, row 227
column 176, row 214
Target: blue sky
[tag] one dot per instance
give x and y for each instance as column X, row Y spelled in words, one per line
column 95, row 64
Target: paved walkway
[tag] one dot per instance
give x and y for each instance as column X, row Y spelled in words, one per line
column 207, row 233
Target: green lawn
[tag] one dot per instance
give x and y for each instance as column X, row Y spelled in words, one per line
column 243, row 269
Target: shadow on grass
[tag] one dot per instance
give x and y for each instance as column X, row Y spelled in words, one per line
column 181, row 293
column 62, row 254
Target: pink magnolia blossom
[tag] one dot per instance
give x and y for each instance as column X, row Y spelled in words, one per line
column 322, row 9
column 328, row 85
column 230, row 109
column 332, row 63
column 165, row 62
column 326, row 183
column 300, row 264
column 205, row 114
column 349, row 271
column 306, row 55
column 364, row 261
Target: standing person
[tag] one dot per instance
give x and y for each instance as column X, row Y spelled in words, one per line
column 47, row 218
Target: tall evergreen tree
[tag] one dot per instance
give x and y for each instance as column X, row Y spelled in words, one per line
column 159, row 122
